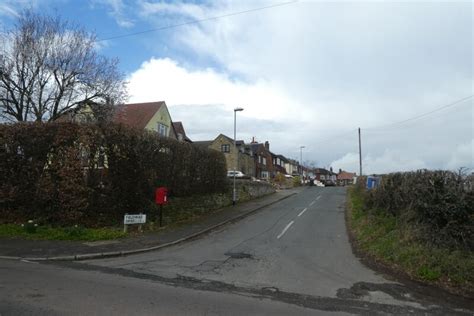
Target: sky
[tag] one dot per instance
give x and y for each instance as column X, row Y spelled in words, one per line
column 307, row 73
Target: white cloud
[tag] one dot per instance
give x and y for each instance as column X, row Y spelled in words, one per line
column 389, row 161
column 463, row 156
column 311, row 70
column 117, row 10
column 8, row 10
column 164, row 79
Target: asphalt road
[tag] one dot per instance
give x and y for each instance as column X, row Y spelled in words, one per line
column 290, row 258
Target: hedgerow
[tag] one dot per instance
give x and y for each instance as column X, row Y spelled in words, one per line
column 436, row 206
column 67, row 174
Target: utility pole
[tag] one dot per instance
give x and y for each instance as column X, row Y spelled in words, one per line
column 360, row 156
column 301, row 159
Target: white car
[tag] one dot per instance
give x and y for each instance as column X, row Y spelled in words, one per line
column 238, row 174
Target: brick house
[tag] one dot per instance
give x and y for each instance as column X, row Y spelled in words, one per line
column 263, row 159
column 324, row 175
column 278, row 162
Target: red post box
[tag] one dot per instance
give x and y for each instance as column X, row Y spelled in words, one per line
column 161, row 195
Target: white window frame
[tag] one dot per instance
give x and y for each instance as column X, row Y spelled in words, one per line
column 162, row 129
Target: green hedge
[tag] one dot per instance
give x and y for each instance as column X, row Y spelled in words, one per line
column 437, row 206
column 67, row 174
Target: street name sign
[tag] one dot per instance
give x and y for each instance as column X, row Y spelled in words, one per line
column 130, row 219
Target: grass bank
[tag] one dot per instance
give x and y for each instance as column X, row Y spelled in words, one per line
column 392, row 242
column 67, row 233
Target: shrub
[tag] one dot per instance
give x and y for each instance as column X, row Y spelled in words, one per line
column 439, row 204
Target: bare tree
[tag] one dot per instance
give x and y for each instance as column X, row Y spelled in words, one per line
column 49, row 66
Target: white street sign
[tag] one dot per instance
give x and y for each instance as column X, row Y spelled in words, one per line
column 134, row 219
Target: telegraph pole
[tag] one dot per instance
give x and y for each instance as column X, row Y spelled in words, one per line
column 360, row 156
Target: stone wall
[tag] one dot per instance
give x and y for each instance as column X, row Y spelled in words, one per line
column 186, row 208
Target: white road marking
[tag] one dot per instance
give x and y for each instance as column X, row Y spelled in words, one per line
column 285, row 229
column 311, row 204
column 302, row 212
column 318, row 197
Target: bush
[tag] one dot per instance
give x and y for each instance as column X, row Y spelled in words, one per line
column 438, row 204
column 67, row 174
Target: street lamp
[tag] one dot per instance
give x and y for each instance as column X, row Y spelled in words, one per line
column 301, row 159
column 234, row 192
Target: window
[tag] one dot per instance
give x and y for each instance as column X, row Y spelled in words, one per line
column 162, row 130
column 264, row 160
column 225, row 148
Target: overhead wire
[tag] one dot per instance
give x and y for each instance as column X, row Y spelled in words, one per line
column 380, row 128
column 419, row 116
column 195, row 21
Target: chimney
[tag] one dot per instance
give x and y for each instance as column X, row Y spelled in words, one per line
column 267, row 145
column 340, row 170
column 330, row 169
column 253, row 140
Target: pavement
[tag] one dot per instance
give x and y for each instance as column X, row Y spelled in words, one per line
column 40, row 250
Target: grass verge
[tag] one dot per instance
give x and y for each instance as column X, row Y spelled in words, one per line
column 388, row 240
column 67, row 233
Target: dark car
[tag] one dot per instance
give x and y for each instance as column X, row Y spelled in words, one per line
column 329, row 183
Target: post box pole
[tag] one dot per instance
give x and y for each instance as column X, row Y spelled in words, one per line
column 161, row 215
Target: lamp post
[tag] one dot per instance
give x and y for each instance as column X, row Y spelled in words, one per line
column 234, row 192
column 301, row 161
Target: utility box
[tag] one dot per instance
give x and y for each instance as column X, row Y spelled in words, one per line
column 161, row 195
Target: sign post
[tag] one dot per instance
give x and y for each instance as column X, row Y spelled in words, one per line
column 161, row 198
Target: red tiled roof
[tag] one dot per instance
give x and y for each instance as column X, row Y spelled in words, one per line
column 344, row 175
column 137, row 114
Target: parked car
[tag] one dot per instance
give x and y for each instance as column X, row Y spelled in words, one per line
column 329, row 183
column 238, row 174
column 289, row 176
column 318, row 183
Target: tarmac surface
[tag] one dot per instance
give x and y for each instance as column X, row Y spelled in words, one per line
column 290, row 257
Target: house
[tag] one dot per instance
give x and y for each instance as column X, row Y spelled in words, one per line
column 237, row 157
column 291, row 167
column 345, row 178
column 180, row 132
column 152, row 116
column 263, row 159
column 324, row 175
column 278, row 162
